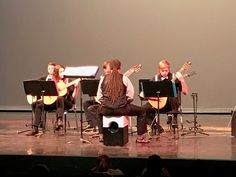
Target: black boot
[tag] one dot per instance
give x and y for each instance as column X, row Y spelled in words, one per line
column 59, row 124
column 160, row 128
column 33, row 132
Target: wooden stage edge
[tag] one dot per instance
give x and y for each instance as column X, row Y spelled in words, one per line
column 183, row 155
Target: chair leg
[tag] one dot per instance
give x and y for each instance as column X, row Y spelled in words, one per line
column 43, row 122
column 130, row 125
column 65, row 121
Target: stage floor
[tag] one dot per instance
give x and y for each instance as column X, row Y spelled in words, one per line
column 218, row 144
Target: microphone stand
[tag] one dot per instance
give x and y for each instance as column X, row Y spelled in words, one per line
column 196, row 127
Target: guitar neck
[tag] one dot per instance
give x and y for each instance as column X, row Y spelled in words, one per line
column 189, row 74
column 184, row 67
column 181, row 70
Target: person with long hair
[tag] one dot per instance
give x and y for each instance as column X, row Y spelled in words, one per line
column 115, row 93
column 67, row 93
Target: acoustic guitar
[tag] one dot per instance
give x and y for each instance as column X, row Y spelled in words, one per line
column 62, row 86
column 162, row 100
column 48, row 100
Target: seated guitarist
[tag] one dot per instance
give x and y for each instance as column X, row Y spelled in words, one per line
column 115, row 94
column 60, row 103
column 91, row 118
column 37, row 105
column 67, row 91
column 172, row 104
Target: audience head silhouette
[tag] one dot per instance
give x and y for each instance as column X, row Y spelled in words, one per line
column 153, row 167
column 39, row 170
column 103, row 163
column 103, row 167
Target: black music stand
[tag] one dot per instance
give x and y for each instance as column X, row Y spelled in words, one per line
column 165, row 88
column 141, row 96
column 90, row 87
column 39, row 89
column 81, row 72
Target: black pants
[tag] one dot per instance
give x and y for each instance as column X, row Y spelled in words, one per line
column 171, row 107
column 129, row 110
column 38, row 107
column 90, row 116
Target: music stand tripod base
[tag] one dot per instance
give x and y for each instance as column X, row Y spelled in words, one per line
column 165, row 88
column 195, row 129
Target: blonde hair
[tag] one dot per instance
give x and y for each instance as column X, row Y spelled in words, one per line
column 163, row 64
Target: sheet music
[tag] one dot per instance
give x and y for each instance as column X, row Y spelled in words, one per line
column 81, row 71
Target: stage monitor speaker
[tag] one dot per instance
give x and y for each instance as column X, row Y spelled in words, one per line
column 115, row 130
column 233, row 123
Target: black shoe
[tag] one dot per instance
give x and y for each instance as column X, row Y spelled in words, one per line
column 175, row 126
column 33, row 133
column 59, row 124
column 58, row 127
column 160, row 129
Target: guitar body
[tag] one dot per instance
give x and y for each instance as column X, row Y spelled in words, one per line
column 162, row 100
column 48, row 100
column 61, row 86
column 31, row 99
column 154, row 102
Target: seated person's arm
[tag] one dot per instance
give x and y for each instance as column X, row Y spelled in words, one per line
column 184, row 86
column 129, row 89
column 76, row 90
